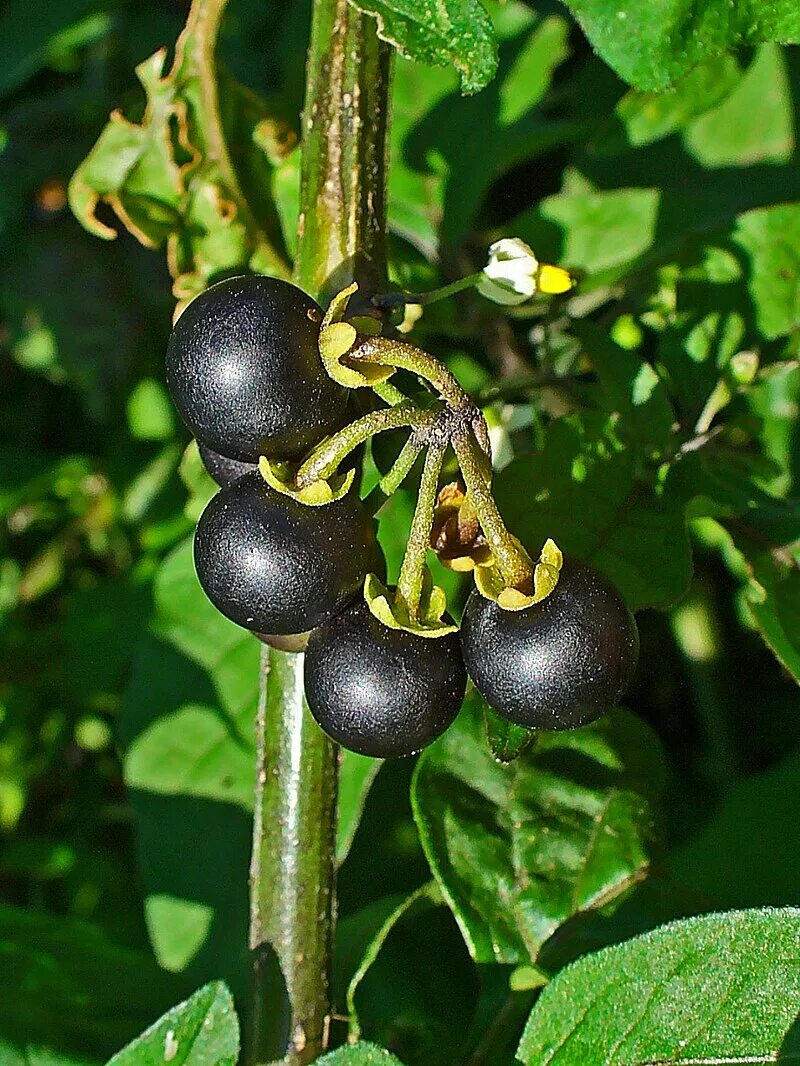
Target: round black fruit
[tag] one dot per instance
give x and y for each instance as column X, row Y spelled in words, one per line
column 381, row 691
column 244, row 370
column 224, row 470
column 274, row 565
column 559, row 664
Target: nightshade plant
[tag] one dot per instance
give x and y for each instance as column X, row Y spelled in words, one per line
column 493, row 348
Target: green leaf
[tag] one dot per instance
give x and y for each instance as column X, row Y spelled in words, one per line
column 722, row 988
column 773, row 592
column 356, row 774
column 593, row 232
column 634, row 390
column 360, row 1054
column 582, row 490
column 448, row 32
column 507, row 740
column 653, row 45
column 771, row 238
column 743, row 856
column 202, row 1031
column 420, row 901
column 519, row 849
column 416, row 987
column 65, row 987
column 648, row 117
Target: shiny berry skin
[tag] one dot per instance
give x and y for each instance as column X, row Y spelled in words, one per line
column 277, row 566
column 559, row 664
column 224, row 470
column 381, row 691
column 244, row 370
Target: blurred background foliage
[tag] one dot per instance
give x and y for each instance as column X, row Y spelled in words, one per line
column 648, row 423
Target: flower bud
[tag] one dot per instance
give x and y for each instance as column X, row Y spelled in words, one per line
column 513, row 274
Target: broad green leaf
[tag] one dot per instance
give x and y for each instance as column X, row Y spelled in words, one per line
column 652, row 45
column 724, row 988
column 65, row 987
column 753, row 123
column 416, row 988
column 519, row 849
column 582, row 490
column 360, row 1054
column 769, row 238
column 648, row 117
column 593, row 232
column 201, row 1031
column 743, row 856
column 417, row 903
column 449, row 32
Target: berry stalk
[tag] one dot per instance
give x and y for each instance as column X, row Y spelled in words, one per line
column 341, row 238
column 512, row 560
column 324, row 460
column 412, row 571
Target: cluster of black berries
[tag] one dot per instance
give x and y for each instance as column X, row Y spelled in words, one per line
column 244, row 370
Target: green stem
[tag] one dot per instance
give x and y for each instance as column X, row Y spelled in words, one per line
column 405, row 356
column 341, row 237
column 389, row 393
column 325, row 459
column 401, row 467
column 399, row 299
column 512, row 561
column 412, row 572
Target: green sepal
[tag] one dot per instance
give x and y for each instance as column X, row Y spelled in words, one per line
column 389, row 608
column 336, row 339
column 280, row 476
column 507, row 740
column 490, row 583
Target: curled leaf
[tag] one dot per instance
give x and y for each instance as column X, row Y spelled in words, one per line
column 280, row 476
column 388, row 607
column 169, row 179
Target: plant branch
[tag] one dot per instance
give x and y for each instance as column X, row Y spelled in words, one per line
column 341, row 238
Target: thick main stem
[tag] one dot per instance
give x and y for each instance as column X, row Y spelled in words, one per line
column 341, row 238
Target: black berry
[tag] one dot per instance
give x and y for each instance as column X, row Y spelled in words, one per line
column 224, row 470
column 559, row 664
column 274, row 565
column 244, row 370
column 381, row 691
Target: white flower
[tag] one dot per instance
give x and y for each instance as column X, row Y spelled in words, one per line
column 513, row 274
column 509, row 276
